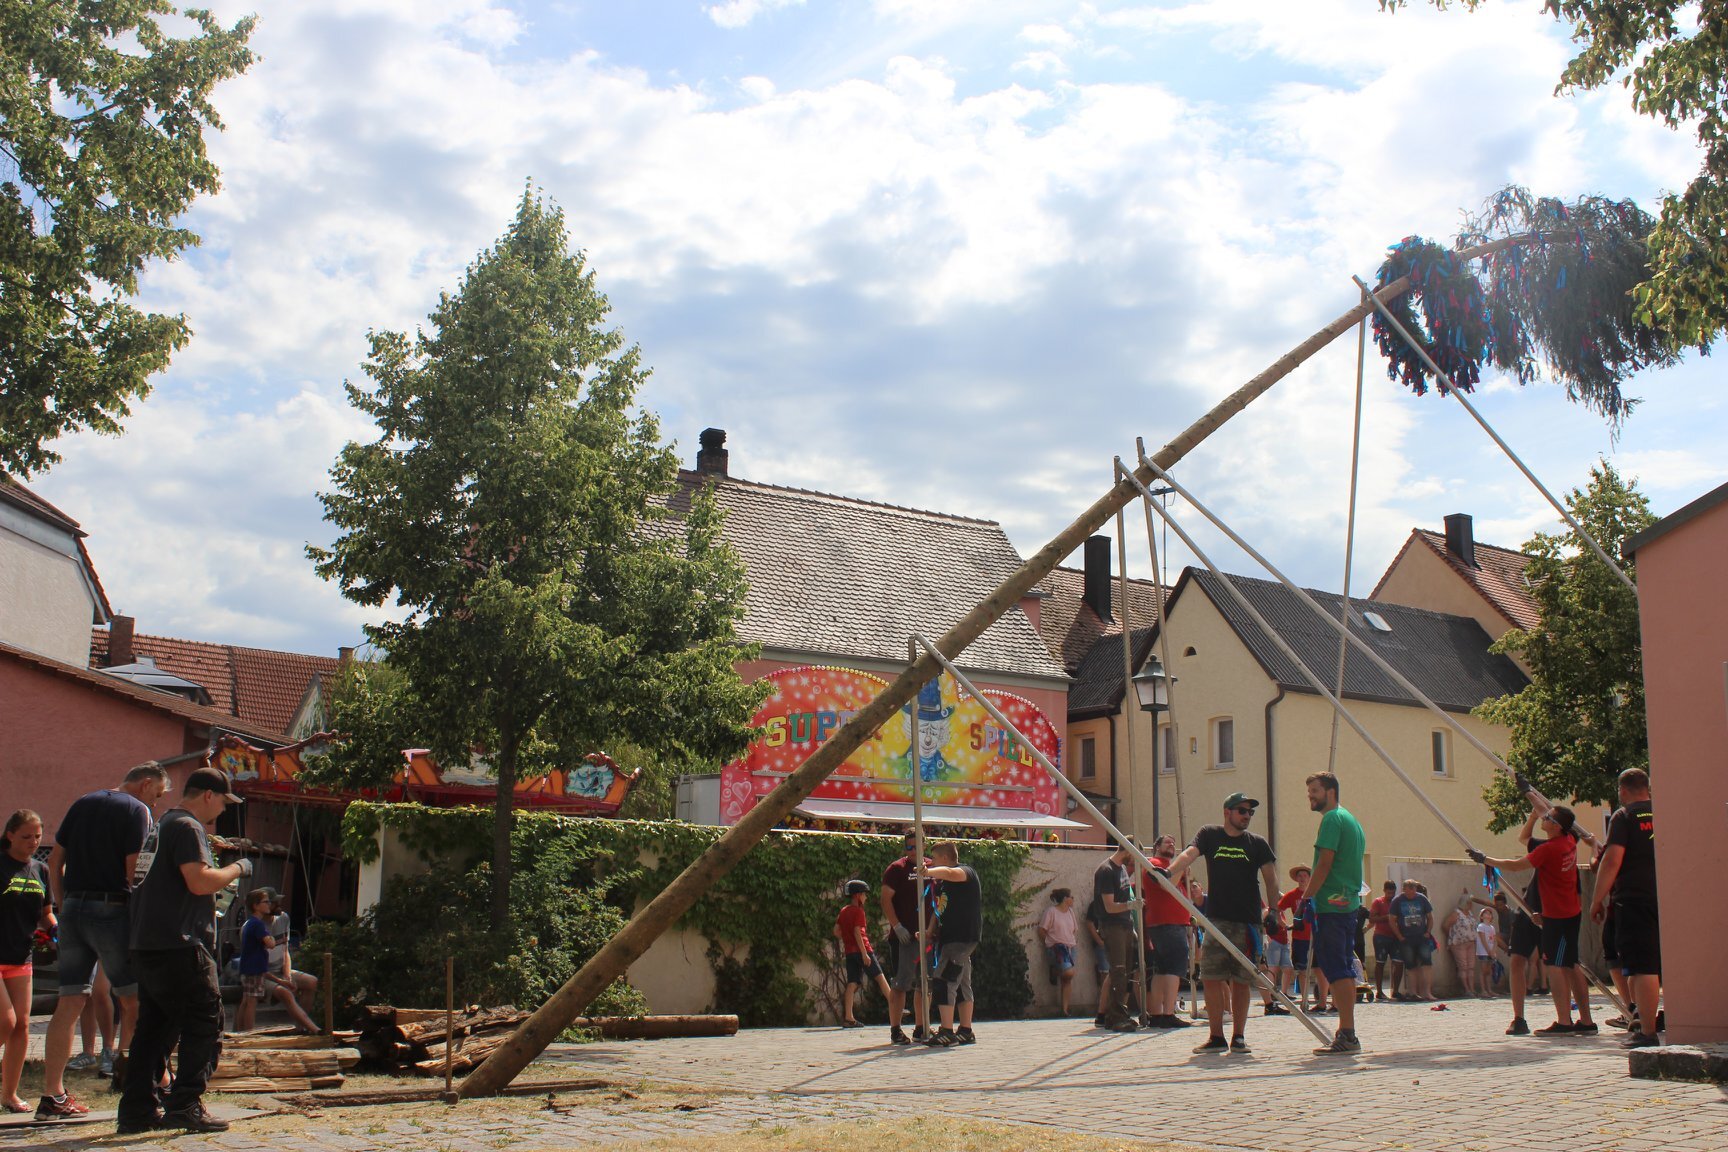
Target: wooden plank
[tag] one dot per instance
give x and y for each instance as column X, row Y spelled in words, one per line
column 658, row 1027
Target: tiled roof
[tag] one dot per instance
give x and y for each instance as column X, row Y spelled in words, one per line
column 1072, row 628
column 15, row 494
column 1445, row 656
column 834, row 576
column 1498, row 576
column 1098, row 683
column 163, row 702
column 253, row 684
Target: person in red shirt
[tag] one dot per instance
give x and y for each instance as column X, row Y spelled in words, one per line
column 1385, row 942
column 1167, row 924
column 1556, row 865
column 853, row 929
column 1300, row 936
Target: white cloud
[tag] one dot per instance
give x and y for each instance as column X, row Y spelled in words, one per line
column 739, row 13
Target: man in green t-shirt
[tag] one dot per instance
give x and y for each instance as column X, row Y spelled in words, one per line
column 1335, row 886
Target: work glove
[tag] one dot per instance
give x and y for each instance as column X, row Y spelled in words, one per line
column 1523, row 783
column 1270, row 923
column 1477, row 855
column 902, row 934
column 245, row 867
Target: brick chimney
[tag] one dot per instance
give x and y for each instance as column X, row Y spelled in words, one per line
column 1097, row 578
column 711, row 459
column 120, row 641
column 344, row 655
column 1461, row 537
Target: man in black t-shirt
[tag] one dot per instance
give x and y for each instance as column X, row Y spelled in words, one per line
column 90, row 875
column 899, row 897
column 961, row 904
column 1235, row 857
column 174, row 959
column 1627, row 877
column 1110, row 890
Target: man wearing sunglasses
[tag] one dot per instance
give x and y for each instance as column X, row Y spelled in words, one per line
column 1233, row 856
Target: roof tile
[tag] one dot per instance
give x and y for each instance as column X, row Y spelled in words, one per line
column 258, row 685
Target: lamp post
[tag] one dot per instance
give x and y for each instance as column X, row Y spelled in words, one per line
column 1152, row 690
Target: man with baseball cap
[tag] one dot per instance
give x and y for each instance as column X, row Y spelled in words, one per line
column 1233, row 856
column 174, row 961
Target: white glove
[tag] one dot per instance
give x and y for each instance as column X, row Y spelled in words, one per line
column 245, row 867
column 902, row 933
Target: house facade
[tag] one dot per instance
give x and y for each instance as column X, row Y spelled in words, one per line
column 49, row 593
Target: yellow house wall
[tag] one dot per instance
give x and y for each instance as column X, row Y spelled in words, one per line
column 1099, row 784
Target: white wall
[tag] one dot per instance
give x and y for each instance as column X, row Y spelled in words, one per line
column 46, row 606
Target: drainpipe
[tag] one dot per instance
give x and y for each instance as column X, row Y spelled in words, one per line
column 1271, row 792
column 1115, row 808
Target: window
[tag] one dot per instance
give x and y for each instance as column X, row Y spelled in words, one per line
column 1224, row 742
column 1088, row 758
column 1166, row 748
column 1376, row 621
column 1440, row 743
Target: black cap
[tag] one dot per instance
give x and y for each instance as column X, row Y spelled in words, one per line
column 212, row 780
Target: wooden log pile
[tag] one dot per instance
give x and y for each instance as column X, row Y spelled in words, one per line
column 281, row 1061
column 396, row 1039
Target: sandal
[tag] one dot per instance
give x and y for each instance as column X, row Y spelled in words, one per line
column 18, row 1107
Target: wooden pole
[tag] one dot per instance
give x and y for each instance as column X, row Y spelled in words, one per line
column 449, row 1023
column 615, row 957
column 329, row 997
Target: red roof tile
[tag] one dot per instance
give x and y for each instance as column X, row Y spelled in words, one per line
column 1498, row 577
column 258, row 685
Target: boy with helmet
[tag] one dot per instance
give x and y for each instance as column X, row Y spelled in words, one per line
column 854, row 933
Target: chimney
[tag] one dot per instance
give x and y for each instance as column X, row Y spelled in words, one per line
column 1097, row 581
column 711, row 459
column 344, row 655
column 1461, row 538
column 120, row 641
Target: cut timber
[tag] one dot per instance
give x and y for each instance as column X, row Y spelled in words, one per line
column 418, row 1095
column 468, row 1023
column 278, row 1041
column 658, row 1027
column 468, row 1054
column 275, row 1064
column 273, row 1084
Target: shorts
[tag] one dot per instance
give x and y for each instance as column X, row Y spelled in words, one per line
column 1560, row 940
column 1061, row 956
column 906, row 954
column 1610, row 940
column 1217, row 964
column 1277, row 954
column 1639, row 941
column 13, row 971
column 1298, row 954
column 1169, row 947
column 91, row 931
column 1526, row 937
column 951, row 983
column 1334, row 945
column 1417, row 953
column 1386, row 948
column 256, row 985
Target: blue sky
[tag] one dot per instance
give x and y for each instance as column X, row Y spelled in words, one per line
column 954, row 254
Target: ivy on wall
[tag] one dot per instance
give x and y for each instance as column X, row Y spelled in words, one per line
column 775, row 909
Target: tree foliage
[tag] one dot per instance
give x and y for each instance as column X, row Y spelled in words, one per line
column 102, row 118
column 1580, row 720
column 1673, row 59
column 376, row 717
column 564, row 592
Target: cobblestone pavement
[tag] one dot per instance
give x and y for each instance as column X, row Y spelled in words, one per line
column 1431, row 1082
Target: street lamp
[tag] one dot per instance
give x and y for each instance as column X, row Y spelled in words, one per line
column 1152, row 687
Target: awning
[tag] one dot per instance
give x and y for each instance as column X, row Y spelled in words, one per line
column 967, row 815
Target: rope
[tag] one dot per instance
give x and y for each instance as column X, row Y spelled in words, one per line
column 1128, row 731
column 1349, row 532
column 1161, row 587
column 1451, row 387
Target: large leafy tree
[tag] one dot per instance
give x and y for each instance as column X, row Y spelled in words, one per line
column 1580, row 720
column 102, row 118
column 1673, row 59
column 564, row 592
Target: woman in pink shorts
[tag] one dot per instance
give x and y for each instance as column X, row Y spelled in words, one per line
column 24, row 910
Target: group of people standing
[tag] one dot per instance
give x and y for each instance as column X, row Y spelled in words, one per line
column 135, row 896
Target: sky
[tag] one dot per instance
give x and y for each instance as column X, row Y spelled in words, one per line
column 948, row 254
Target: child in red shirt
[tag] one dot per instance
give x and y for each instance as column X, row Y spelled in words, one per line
column 852, row 927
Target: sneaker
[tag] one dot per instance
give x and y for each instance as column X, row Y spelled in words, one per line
column 1343, row 1044
column 193, row 1119
column 1177, row 1022
column 59, row 1107
column 943, row 1039
column 1620, row 1022
column 81, row 1062
column 850, row 1024
column 1585, row 1029
column 1239, row 1045
column 898, row 1036
column 1123, row 1026
column 1098, row 1022
column 1518, row 1027
column 965, row 1036
column 127, row 1126
column 1557, row 1029
column 105, row 1067
column 920, row 1035
column 1641, row 1040
column 1213, row 1044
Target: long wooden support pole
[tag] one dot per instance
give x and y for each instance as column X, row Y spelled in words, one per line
column 615, row 957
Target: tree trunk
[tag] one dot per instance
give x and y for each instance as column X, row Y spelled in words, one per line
column 503, row 811
column 611, row 962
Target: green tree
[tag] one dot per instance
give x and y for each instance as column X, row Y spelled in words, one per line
column 102, row 118
column 1678, row 74
column 376, row 715
column 522, row 511
column 1580, row 720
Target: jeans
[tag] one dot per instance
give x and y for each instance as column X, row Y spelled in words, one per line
column 178, row 1003
column 92, row 930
